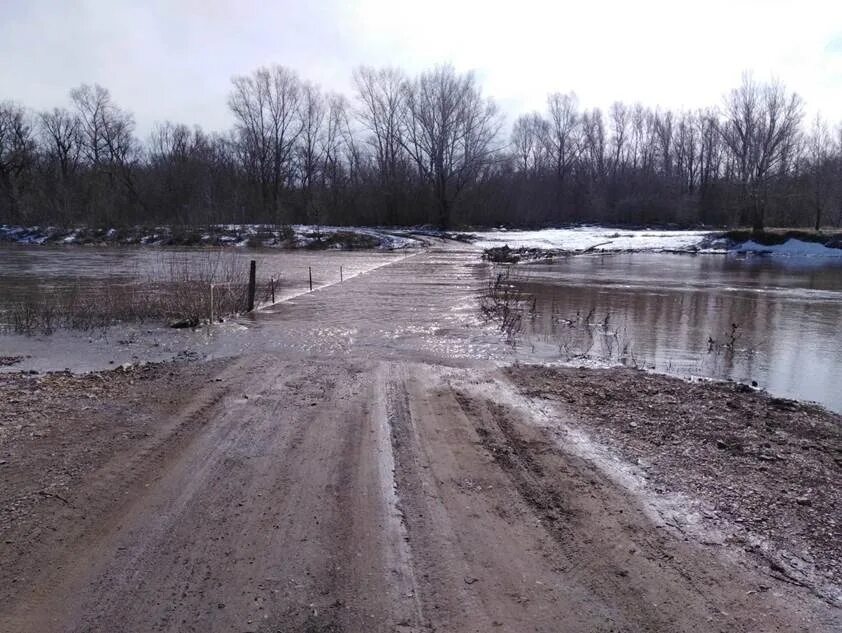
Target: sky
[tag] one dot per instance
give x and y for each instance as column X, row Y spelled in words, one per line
column 174, row 60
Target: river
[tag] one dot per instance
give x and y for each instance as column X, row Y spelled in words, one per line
column 774, row 321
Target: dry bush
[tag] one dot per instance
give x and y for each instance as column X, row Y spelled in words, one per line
column 177, row 289
column 180, row 285
column 583, row 335
column 503, row 302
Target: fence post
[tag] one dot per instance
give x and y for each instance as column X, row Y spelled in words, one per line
column 211, row 304
column 252, row 284
column 341, row 279
column 310, row 272
column 273, row 290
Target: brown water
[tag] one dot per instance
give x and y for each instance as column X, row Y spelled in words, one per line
column 27, row 271
column 775, row 321
column 662, row 312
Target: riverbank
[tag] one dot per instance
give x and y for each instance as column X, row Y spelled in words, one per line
column 525, row 246
column 765, row 472
column 499, row 244
column 312, row 237
column 831, row 238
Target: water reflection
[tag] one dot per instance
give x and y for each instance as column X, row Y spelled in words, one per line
column 31, row 272
column 757, row 319
column 654, row 310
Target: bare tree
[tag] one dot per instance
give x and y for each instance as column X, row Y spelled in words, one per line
column 663, row 122
column 61, row 138
column 352, row 153
column 564, row 139
column 619, row 124
column 594, row 143
column 105, row 130
column 687, row 152
column 838, row 174
column 710, row 149
column 449, row 130
column 310, row 147
column 333, row 148
column 380, row 95
column 61, row 143
column 181, row 159
column 92, row 104
column 109, row 148
column 760, row 129
column 820, row 148
column 17, row 149
column 418, row 150
column 266, row 105
column 530, row 143
column 169, row 142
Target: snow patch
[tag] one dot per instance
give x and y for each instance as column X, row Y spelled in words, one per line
column 791, row 248
column 596, row 239
column 238, row 235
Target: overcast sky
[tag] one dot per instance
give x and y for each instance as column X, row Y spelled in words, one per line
column 174, row 59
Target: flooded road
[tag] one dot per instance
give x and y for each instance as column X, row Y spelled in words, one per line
column 30, row 275
column 774, row 321
column 769, row 320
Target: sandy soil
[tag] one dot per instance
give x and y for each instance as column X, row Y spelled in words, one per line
column 369, row 481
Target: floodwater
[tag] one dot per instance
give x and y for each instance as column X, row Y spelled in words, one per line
column 27, row 271
column 35, row 272
column 774, row 321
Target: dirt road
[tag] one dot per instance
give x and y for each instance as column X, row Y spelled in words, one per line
column 375, row 471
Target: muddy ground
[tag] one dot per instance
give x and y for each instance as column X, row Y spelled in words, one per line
column 59, row 430
column 394, row 473
column 769, row 469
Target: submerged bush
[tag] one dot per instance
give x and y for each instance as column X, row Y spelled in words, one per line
column 176, row 290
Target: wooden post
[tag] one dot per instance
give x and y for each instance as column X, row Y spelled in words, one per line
column 340, row 275
column 252, row 284
column 310, row 272
column 273, row 290
column 211, row 305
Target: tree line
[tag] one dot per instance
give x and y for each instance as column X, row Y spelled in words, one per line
column 424, row 149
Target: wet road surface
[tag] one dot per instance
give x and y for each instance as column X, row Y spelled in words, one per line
column 364, row 465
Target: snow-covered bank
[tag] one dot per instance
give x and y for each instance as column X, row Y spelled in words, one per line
column 253, row 235
column 543, row 242
column 595, row 238
column 791, row 248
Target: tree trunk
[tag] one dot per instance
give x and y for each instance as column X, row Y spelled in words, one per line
column 759, row 219
column 444, row 213
column 443, row 203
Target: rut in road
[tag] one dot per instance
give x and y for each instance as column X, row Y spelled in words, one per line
column 508, row 532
